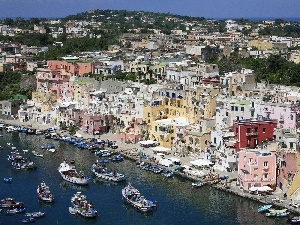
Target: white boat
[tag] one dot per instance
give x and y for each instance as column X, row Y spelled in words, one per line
column 82, row 207
column 51, row 149
column 44, row 193
column 69, row 173
column 37, row 154
column 35, row 214
column 134, row 198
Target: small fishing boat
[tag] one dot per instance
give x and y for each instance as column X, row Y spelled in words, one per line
column 44, row 193
column 134, row 198
column 10, row 203
column 101, row 171
column 25, row 150
column 82, row 207
column 37, row 154
column 283, row 214
column 264, row 208
column 28, row 220
column 7, row 180
column 69, row 173
column 13, row 211
column 275, row 212
column 197, row 184
column 35, row 214
column 295, row 220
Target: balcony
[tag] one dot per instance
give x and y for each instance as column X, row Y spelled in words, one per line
column 252, row 134
column 252, row 109
column 267, row 179
column 265, row 167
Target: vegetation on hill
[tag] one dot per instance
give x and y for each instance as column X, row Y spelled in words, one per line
column 10, row 85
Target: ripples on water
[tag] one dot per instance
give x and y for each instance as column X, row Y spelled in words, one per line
column 177, row 202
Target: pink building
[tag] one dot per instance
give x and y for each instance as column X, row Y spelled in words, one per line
column 75, row 68
column 256, row 168
column 287, row 167
column 284, row 113
column 130, row 135
column 51, row 81
column 99, row 124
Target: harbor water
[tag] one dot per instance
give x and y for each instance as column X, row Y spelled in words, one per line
column 177, row 202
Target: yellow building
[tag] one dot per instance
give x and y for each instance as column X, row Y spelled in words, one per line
column 162, row 120
column 196, row 142
column 261, row 44
column 46, row 98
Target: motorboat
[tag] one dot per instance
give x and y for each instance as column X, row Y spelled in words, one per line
column 275, row 212
column 134, row 198
column 7, row 180
column 101, row 171
column 81, row 206
column 13, row 211
column 44, row 193
column 28, row 220
column 69, row 173
column 283, row 214
column 19, row 162
column 264, row 208
column 197, row 184
column 10, row 203
column 35, row 214
column 117, row 158
column 37, row 154
column 295, row 220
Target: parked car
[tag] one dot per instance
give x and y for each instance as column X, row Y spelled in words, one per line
column 114, row 146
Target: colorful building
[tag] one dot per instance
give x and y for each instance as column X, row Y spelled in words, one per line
column 250, row 133
column 256, row 168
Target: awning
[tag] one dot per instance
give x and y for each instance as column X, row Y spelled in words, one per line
column 201, row 162
column 261, row 189
column 161, row 149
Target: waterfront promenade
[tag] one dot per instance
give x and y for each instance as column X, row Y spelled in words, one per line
column 131, row 150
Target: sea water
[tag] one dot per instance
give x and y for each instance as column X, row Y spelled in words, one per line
column 177, row 202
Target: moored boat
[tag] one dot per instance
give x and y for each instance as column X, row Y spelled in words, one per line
column 264, row 208
column 101, row 171
column 69, row 173
column 134, row 198
column 35, row 214
column 295, row 220
column 13, row 211
column 275, row 212
column 81, row 206
column 197, row 184
column 44, row 193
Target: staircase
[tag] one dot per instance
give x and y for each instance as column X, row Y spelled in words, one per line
column 295, row 185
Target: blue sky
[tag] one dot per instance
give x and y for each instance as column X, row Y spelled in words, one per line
column 205, row 8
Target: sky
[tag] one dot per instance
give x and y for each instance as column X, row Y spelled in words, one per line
column 203, row 8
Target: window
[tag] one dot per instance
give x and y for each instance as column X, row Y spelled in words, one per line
column 148, row 114
column 232, row 108
column 291, row 144
column 252, row 104
column 242, row 109
column 248, row 130
column 266, row 163
column 237, row 130
column 215, row 140
column 236, row 108
column 292, row 117
column 265, row 176
column 264, row 130
column 226, row 113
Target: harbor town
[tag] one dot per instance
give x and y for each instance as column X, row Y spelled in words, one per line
column 157, row 100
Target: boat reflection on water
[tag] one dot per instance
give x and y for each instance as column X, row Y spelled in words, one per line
column 65, row 185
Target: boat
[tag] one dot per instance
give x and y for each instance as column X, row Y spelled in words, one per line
column 81, row 206
column 10, row 203
column 13, row 211
column 28, row 220
column 69, row 173
column 295, row 220
column 264, row 208
column 134, row 198
column 197, row 184
column 117, row 158
column 7, row 180
column 101, row 171
column 275, row 212
column 19, row 162
column 44, row 193
column 37, row 154
column 283, row 214
column 35, row 214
